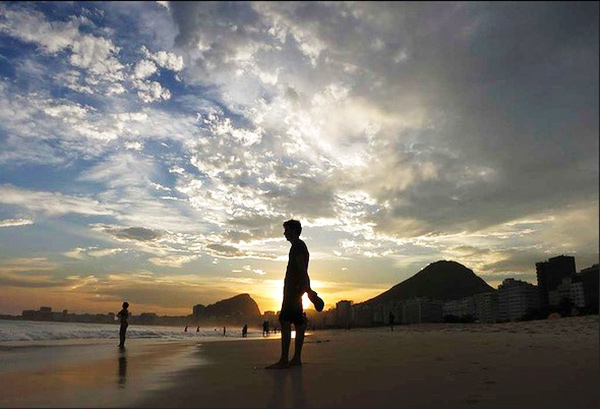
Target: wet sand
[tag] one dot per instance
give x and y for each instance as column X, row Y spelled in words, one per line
column 89, row 375
column 537, row 364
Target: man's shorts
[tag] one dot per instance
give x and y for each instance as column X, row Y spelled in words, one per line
column 291, row 311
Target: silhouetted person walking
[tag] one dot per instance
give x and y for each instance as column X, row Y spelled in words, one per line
column 296, row 283
column 245, row 331
column 123, row 315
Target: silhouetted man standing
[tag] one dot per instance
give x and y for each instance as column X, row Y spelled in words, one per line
column 296, row 283
column 123, row 315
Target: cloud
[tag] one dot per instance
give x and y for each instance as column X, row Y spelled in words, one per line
column 134, row 233
column 165, row 59
column 144, row 69
column 51, row 203
column 15, row 222
column 35, row 272
column 77, row 253
column 151, row 91
column 96, row 54
column 172, row 261
column 82, row 253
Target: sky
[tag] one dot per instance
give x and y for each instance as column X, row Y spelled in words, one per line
column 150, row 151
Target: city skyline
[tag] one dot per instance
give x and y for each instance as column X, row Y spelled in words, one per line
column 150, row 151
column 307, row 305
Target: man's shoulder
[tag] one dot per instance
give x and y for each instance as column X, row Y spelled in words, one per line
column 300, row 247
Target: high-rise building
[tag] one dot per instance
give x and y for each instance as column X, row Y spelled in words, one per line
column 487, row 306
column 516, row 298
column 589, row 278
column 577, row 294
column 198, row 311
column 561, row 292
column 344, row 313
column 460, row 308
column 421, row 310
column 363, row 315
column 551, row 273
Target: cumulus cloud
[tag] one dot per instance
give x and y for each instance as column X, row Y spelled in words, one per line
column 151, row 91
column 144, row 69
column 97, row 54
column 164, row 59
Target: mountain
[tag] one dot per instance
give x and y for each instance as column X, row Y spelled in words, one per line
column 240, row 305
column 442, row 280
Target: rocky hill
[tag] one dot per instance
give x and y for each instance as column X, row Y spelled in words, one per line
column 442, row 280
column 239, row 306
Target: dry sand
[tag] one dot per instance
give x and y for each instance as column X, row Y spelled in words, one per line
column 536, row 364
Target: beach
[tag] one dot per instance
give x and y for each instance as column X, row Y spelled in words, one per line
column 535, row 364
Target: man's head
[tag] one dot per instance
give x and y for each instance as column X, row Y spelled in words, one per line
column 125, row 304
column 292, row 229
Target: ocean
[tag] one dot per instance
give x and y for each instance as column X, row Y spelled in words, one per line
column 28, row 333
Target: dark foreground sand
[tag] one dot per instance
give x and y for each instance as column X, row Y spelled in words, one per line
column 537, row 364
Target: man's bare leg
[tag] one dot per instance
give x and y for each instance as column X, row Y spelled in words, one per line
column 297, row 358
column 286, row 337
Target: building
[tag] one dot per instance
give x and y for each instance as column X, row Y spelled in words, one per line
column 487, row 306
column 363, row 315
column 589, row 279
column 43, row 314
column 344, row 317
column 516, row 298
column 577, row 294
column 198, row 312
column 421, row 310
column 378, row 315
column 147, row 318
column 560, row 293
column 551, row 273
column 459, row 308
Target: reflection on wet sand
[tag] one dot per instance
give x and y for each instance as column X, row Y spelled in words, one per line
column 122, row 368
column 281, row 395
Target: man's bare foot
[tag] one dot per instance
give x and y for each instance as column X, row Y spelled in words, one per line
column 279, row 365
column 295, row 362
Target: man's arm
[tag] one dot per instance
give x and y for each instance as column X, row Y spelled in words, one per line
column 302, row 263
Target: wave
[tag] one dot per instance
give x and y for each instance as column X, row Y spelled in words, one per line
column 15, row 331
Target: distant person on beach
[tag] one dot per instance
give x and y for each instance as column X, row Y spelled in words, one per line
column 391, row 318
column 197, row 329
column 123, row 315
column 245, row 331
column 296, row 283
column 185, row 329
column 224, row 331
